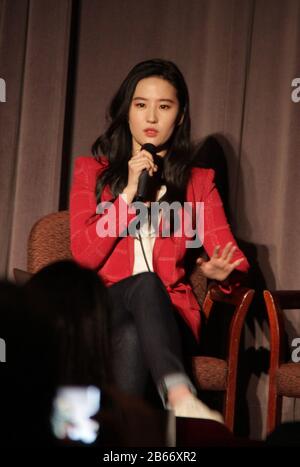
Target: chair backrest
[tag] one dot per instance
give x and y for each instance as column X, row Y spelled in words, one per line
column 284, row 376
column 199, row 284
column 49, row 241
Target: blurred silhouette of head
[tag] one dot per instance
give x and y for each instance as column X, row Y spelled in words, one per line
column 57, row 333
column 69, row 307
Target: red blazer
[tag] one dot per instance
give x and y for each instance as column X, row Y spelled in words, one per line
column 113, row 256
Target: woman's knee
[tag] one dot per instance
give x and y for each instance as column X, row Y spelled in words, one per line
column 125, row 338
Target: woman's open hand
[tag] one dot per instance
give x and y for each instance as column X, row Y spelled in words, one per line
column 219, row 267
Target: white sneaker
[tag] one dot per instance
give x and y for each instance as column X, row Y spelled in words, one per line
column 192, row 407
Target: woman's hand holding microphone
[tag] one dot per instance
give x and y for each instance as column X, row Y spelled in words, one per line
column 136, row 164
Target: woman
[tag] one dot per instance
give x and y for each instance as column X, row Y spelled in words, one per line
column 143, row 267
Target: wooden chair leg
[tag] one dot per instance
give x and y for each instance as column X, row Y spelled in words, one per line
column 274, row 409
column 229, row 409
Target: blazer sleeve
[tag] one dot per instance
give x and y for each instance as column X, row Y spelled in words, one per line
column 216, row 228
column 91, row 246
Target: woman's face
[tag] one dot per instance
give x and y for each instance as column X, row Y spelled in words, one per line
column 153, row 112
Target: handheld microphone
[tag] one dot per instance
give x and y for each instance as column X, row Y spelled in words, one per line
column 145, row 180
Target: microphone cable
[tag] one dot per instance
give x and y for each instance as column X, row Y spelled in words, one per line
column 143, row 250
column 141, row 241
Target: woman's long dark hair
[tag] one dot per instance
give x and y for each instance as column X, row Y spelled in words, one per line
column 116, row 143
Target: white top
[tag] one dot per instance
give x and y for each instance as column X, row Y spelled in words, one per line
column 148, row 235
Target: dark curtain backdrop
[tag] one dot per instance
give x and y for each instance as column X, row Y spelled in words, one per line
column 62, row 60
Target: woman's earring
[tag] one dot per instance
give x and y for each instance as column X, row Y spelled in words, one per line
column 181, row 120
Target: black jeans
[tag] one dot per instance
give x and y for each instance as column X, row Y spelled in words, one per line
column 145, row 335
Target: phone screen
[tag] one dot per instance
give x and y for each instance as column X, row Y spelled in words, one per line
column 73, row 408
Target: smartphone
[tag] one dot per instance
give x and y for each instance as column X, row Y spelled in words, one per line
column 73, row 407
